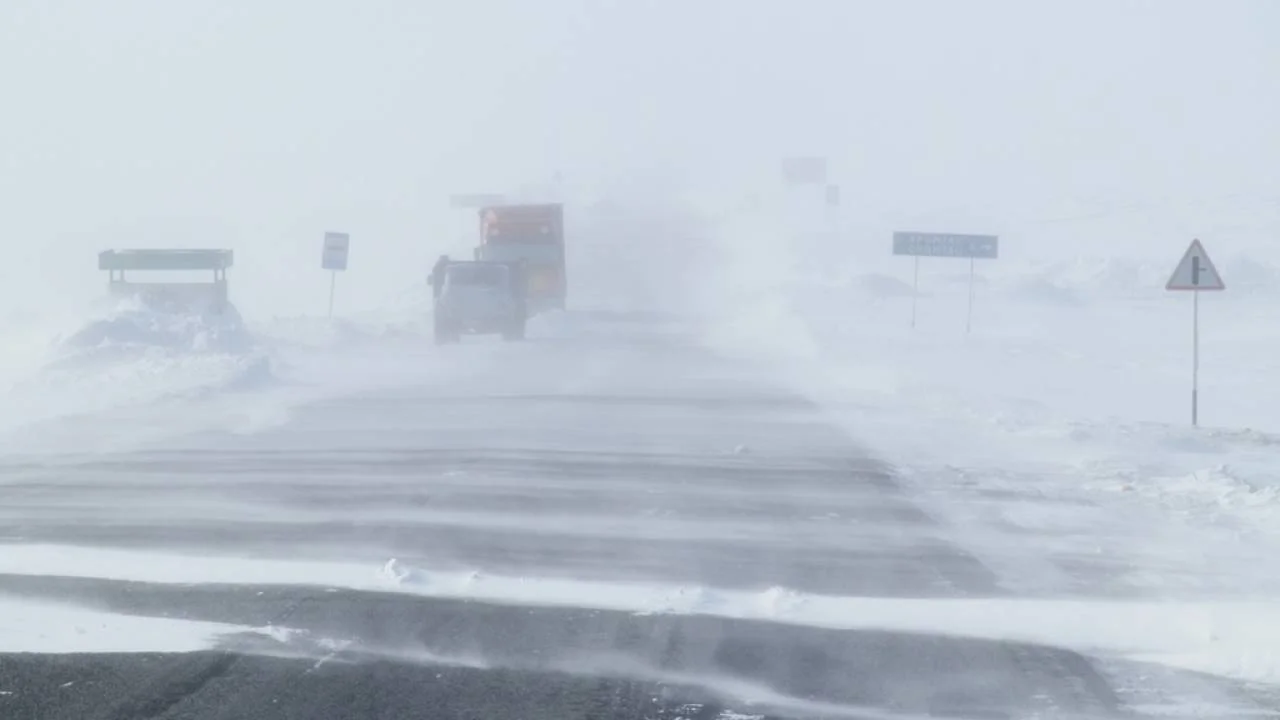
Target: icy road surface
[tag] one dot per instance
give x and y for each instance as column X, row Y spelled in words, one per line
column 607, row 521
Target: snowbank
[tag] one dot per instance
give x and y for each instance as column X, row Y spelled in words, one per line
column 129, row 353
column 1054, row 439
column 135, row 325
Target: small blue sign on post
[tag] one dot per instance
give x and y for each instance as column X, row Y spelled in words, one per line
column 954, row 245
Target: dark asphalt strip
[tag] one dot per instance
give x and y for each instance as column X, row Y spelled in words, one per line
column 208, row 686
column 185, row 678
column 359, row 640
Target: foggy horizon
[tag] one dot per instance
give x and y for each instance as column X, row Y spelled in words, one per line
column 1094, row 128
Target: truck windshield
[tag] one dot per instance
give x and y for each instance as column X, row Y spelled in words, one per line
column 487, row 275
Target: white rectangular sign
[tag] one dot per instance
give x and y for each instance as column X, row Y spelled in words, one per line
column 336, row 246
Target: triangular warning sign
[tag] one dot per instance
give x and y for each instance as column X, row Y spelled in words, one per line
column 1195, row 271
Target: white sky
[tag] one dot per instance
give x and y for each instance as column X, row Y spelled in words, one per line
column 258, row 124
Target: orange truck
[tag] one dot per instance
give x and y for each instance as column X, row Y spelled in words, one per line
column 532, row 235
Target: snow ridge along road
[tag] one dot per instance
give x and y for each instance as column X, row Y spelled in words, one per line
column 606, row 521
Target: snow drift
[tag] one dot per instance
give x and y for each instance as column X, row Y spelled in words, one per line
column 130, row 353
column 136, row 325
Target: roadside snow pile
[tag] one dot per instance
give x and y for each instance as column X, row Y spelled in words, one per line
column 131, row 354
column 135, row 325
column 1053, row 437
column 176, row 349
column 1208, row 476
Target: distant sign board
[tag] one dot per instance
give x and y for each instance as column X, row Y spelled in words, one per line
column 804, row 170
column 334, row 256
column 948, row 245
column 921, row 244
column 165, row 259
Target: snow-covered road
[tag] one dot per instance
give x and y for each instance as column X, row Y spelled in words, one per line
column 626, row 503
column 556, row 458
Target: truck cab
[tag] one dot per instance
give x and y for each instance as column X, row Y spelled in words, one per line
column 478, row 297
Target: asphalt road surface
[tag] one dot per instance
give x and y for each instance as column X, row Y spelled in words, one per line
column 622, row 452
